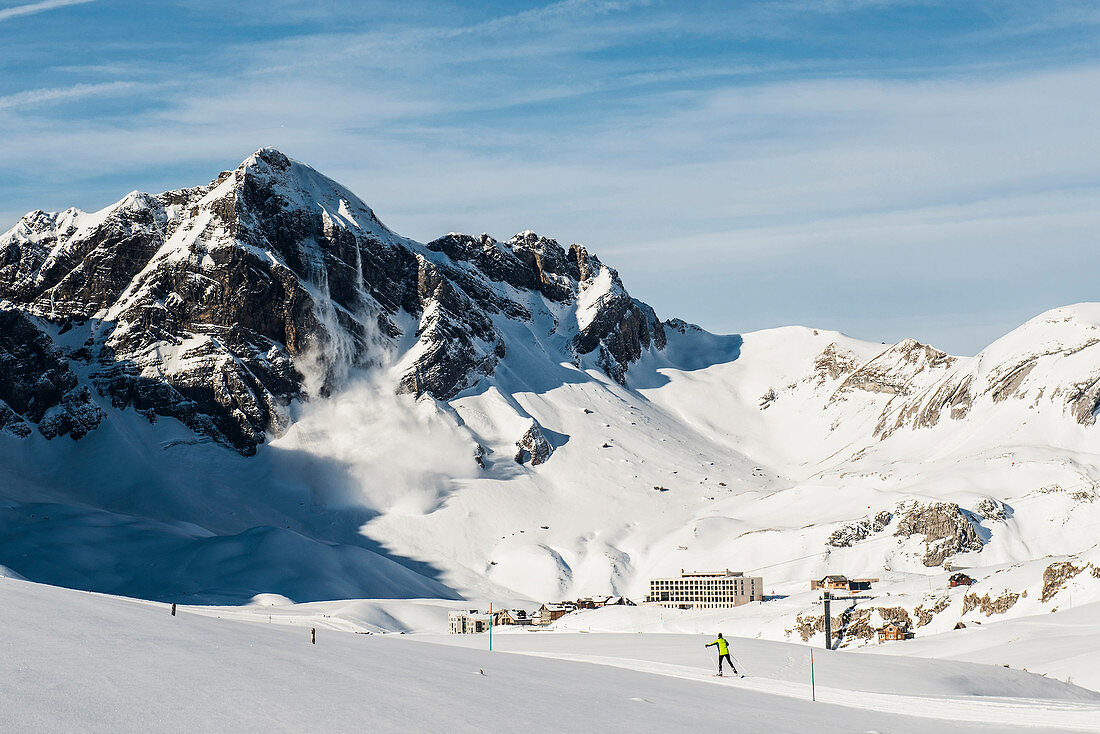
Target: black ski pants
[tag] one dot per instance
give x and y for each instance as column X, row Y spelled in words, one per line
column 726, row 657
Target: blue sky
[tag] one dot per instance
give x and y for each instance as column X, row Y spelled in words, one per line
column 889, row 169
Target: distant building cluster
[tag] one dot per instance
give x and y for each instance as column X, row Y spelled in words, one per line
column 692, row 590
column 838, row 582
column 891, row 631
column 473, row 621
column 706, row 590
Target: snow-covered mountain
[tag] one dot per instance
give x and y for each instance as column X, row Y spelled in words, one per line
column 255, row 386
column 220, row 304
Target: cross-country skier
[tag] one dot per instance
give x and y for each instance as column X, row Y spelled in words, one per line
column 723, row 652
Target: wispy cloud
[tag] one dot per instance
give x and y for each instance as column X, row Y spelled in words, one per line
column 552, row 14
column 39, row 7
column 32, row 97
column 733, row 178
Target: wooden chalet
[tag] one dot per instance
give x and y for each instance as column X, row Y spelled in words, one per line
column 893, row 631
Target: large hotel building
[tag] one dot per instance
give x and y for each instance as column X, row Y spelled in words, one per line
column 706, row 590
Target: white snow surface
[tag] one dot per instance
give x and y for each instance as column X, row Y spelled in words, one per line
column 76, row 661
column 1063, row 645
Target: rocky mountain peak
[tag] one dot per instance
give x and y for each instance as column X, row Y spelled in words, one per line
column 220, row 304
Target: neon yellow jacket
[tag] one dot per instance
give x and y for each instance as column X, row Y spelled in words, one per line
column 723, row 646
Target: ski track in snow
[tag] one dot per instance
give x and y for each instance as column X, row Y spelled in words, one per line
column 92, row 662
column 1019, row 712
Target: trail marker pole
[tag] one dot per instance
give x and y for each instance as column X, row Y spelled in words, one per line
column 813, row 689
column 313, row 635
column 173, row 609
column 490, row 626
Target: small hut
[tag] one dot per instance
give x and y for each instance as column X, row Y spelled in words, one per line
column 960, row 579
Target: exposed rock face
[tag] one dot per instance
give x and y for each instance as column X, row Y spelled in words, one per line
column 993, row 509
column 833, row 363
column 768, row 398
column 1055, row 577
column 683, row 327
column 946, row 529
column 988, row 605
column 12, row 422
column 609, row 320
column 953, row 394
column 852, row 533
column 533, row 446
column 1051, row 359
column 220, row 304
column 892, row 371
column 37, row 385
column 925, row 616
column 1083, row 401
column 75, row 414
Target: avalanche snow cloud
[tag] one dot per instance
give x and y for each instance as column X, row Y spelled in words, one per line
column 255, row 386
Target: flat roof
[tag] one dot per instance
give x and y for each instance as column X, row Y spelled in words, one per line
column 705, row 575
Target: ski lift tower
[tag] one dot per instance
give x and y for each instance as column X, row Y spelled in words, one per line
column 827, row 597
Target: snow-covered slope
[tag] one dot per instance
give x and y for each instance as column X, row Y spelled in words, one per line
column 273, row 392
column 1064, row 645
column 84, row 662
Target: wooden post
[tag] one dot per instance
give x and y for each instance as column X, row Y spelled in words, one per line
column 173, row 609
column 313, row 635
column 490, row 626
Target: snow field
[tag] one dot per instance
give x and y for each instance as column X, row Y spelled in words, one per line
column 89, row 662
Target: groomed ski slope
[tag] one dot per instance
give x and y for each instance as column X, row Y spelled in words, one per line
column 1063, row 645
column 77, row 661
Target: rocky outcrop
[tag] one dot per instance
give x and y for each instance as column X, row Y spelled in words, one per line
column 609, row 320
column 992, row 509
column 1083, row 401
column 947, row 531
column 989, row 606
column 13, row 423
column 532, row 446
column 925, row 616
column 1055, row 577
column 1051, row 359
column 458, row 342
column 75, row 414
column 219, row 305
column 37, row 385
column 953, row 395
column 852, row 533
column 833, row 363
column 893, row 371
